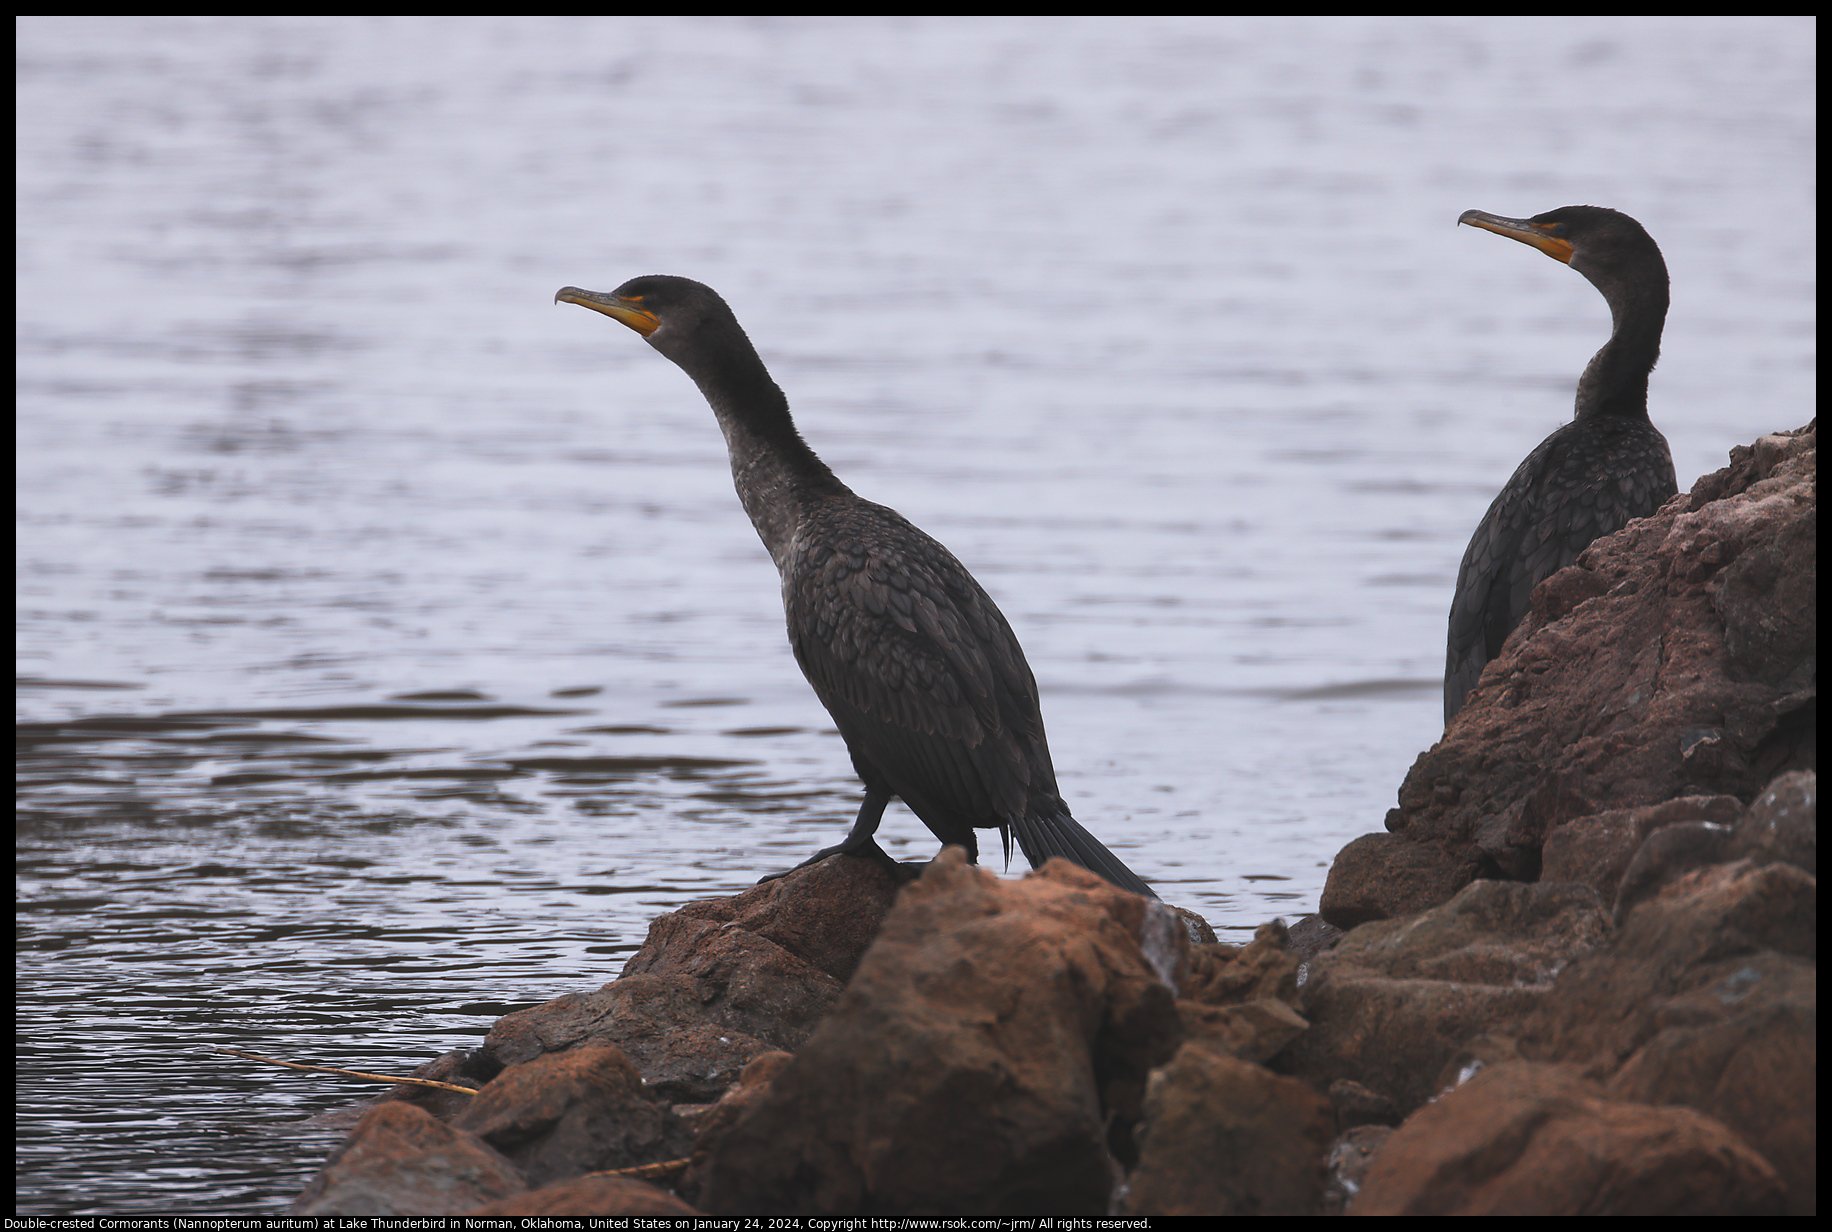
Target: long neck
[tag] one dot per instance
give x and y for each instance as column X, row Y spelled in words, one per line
column 776, row 474
column 1615, row 382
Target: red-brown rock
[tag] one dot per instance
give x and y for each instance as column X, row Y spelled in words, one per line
column 825, row 915
column 399, row 1160
column 1596, row 849
column 1676, row 658
column 1782, row 826
column 1526, row 1139
column 597, row 1194
column 711, row 1124
column 971, row 1063
column 1242, row 999
column 1223, row 1137
column 565, row 1114
column 1395, row 1005
column 1706, row 997
column 719, row 982
column 1379, row 876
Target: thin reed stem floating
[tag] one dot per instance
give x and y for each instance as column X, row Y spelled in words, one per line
column 351, row 1073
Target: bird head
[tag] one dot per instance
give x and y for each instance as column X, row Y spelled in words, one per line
column 1604, row 245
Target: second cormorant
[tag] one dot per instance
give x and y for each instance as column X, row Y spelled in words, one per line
column 1589, row 478
column 923, row 677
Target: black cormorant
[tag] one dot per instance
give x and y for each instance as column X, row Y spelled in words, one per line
column 915, row 663
column 1591, row 476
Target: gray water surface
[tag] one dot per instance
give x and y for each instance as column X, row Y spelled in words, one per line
column 392, row 646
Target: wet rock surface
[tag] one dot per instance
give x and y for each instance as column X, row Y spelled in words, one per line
column 1576, row 975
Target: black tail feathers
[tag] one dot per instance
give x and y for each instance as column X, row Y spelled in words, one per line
column 1061, row 835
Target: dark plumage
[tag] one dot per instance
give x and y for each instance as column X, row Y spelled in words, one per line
column 923, row 677
column 1589, row 478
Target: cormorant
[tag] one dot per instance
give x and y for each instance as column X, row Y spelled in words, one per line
column 922, row 675
column 1589, row 478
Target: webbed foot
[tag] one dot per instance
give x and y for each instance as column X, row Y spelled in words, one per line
column 868, row 850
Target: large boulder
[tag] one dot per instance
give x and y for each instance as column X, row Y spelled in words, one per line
column 1525, row 1139
column 401, row 1160
column 718, row 983
column 971, row 1063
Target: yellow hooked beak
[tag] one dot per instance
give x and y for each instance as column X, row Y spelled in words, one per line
column 1523, row 229
column 628, row 310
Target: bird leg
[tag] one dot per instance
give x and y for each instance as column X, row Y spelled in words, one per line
column 860, row 842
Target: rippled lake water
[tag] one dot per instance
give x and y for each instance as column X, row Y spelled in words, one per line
column 392, row 647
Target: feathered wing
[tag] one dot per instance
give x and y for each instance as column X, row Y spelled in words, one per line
column 922, row 675
column 1551, row 509
column 928, row 684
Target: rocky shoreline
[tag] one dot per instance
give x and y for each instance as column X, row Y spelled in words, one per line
column 1576, row 974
